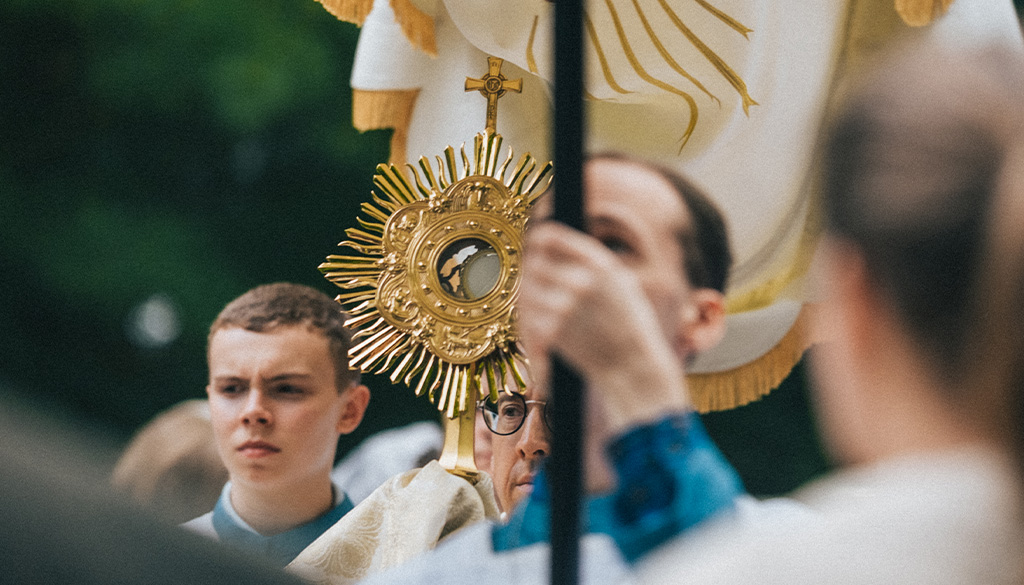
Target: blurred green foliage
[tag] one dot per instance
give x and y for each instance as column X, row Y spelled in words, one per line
column 188, row 151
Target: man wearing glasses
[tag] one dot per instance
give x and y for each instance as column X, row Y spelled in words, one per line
column 520, row 442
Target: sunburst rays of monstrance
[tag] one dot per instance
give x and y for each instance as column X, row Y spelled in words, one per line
column 432, row 285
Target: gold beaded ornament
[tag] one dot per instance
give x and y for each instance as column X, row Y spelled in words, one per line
column 432, row 283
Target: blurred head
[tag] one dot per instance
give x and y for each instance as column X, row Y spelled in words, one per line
column 697, row 227
column 172, row 465
column 912, row 163
column 280, row 389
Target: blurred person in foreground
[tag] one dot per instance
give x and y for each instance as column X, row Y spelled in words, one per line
column 912, row 163
column 281, row 394
column 915, row 163
column 171, row 465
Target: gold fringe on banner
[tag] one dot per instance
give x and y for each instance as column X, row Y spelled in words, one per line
column 376, row 110
column 417, row 26
column 754, row 380
column 921, row 12
column 353, row 11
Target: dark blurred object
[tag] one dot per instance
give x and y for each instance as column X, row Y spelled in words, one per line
column 774, row 442
column 59, row 523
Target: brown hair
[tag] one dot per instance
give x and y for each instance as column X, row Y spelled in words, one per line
column 911, row 165
column 997, row 350
column 281, row 304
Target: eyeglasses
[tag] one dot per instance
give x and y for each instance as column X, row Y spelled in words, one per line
column 506, row 416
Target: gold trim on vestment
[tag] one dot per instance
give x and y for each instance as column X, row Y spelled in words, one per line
column 605, row 69
column 731, row 76
column 635, row 63
column 376, row 110
column 531, row 63
column 353, row 11
column 921, row 12
column 666, row 55
column 728, row 20
column 416, row 26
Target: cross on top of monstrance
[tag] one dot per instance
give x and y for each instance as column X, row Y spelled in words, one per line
column 493, row 86
column 432, row 282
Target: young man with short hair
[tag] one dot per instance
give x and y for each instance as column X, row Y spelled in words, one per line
column 281, row 393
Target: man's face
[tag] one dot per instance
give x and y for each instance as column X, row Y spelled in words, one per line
column 516, row 458
column 638, row 215
column 274, row 404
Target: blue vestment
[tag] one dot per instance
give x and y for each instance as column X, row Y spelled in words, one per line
column 225, row 525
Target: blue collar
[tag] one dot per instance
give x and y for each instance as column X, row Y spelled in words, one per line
column 280, row 549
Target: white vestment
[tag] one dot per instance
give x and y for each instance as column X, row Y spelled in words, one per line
column 468, row 558
column 384, row 455
column 472, row 552
column 931, row 519
column 400, row 520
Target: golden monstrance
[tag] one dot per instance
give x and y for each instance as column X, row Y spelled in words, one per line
column 433, row 279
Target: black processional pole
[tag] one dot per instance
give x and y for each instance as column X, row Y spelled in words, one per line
column 565, row 467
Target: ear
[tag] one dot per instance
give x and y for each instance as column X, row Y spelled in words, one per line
column 356, row 398
column 702, row 325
